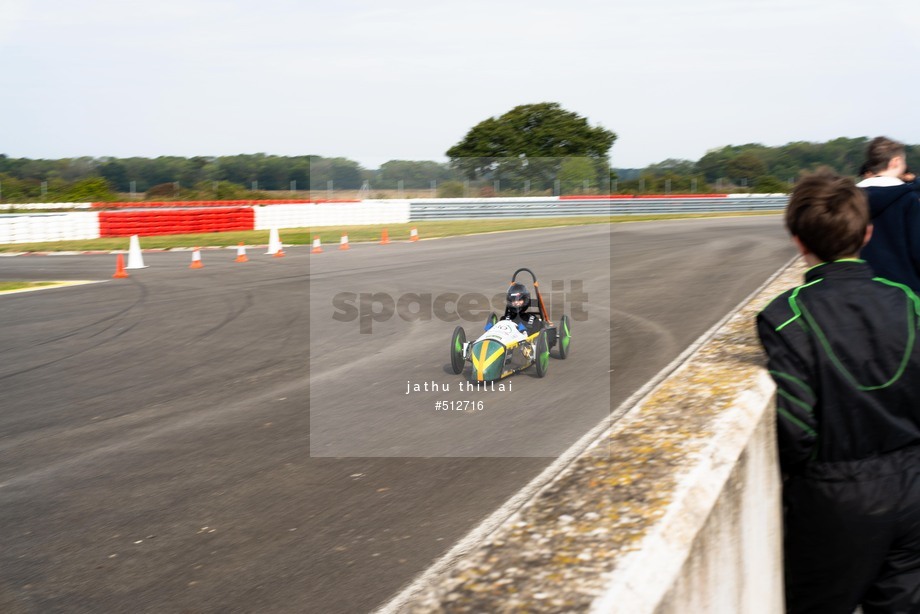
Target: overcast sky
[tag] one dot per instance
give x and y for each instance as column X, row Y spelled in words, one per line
column 406, row 79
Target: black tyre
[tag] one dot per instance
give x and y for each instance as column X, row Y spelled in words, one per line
column 565, row 337
column 541, row 358
column 492, row 320
column 456, row 350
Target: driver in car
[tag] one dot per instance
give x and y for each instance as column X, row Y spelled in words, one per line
column 518, row 301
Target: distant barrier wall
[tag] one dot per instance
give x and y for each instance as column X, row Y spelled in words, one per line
column 174, row 221
column 159, row 218
column 163, row 218
column 574, row 206
column 332, row 214
column 42, row 227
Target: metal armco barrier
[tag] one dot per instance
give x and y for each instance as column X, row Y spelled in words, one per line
column 550, row 207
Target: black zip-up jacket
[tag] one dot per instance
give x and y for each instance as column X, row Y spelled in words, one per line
column 844, row 351
column 894, row 250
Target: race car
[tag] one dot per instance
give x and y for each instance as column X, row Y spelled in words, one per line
column 505, row 349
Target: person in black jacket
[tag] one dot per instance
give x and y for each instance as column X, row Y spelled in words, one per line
column 894, row 207
column 844, row 351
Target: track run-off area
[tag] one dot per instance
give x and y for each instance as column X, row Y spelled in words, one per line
column 246, row 437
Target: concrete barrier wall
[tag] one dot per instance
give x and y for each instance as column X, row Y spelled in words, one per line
column 734, row 561
column 674, row 507
column 718, row 546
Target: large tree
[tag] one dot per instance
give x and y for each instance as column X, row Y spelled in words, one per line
column 530, row 142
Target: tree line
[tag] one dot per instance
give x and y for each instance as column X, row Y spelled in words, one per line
column 753, row 167
column 472, row 171
column 247, row 176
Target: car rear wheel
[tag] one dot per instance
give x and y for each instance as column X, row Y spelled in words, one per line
column 541, row 360
column 565, row 337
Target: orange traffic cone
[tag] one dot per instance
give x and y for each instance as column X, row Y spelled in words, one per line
column 196, row 259
column 120, row 272
column 413, row 234
column 279, row 253
column 317, row 245
column 343, row 242
column 385, row 238
column 241, row 253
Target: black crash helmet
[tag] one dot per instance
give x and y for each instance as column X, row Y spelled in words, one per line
column 518, row 297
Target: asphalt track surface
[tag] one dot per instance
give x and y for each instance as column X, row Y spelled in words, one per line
column 156, row 452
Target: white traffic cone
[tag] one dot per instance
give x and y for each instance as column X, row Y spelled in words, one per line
column 343, row 242
column 135, row 257
column 317, row 245
column 274, row 242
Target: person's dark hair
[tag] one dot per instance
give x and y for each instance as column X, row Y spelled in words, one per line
column 829, row 215
column 879, row 153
